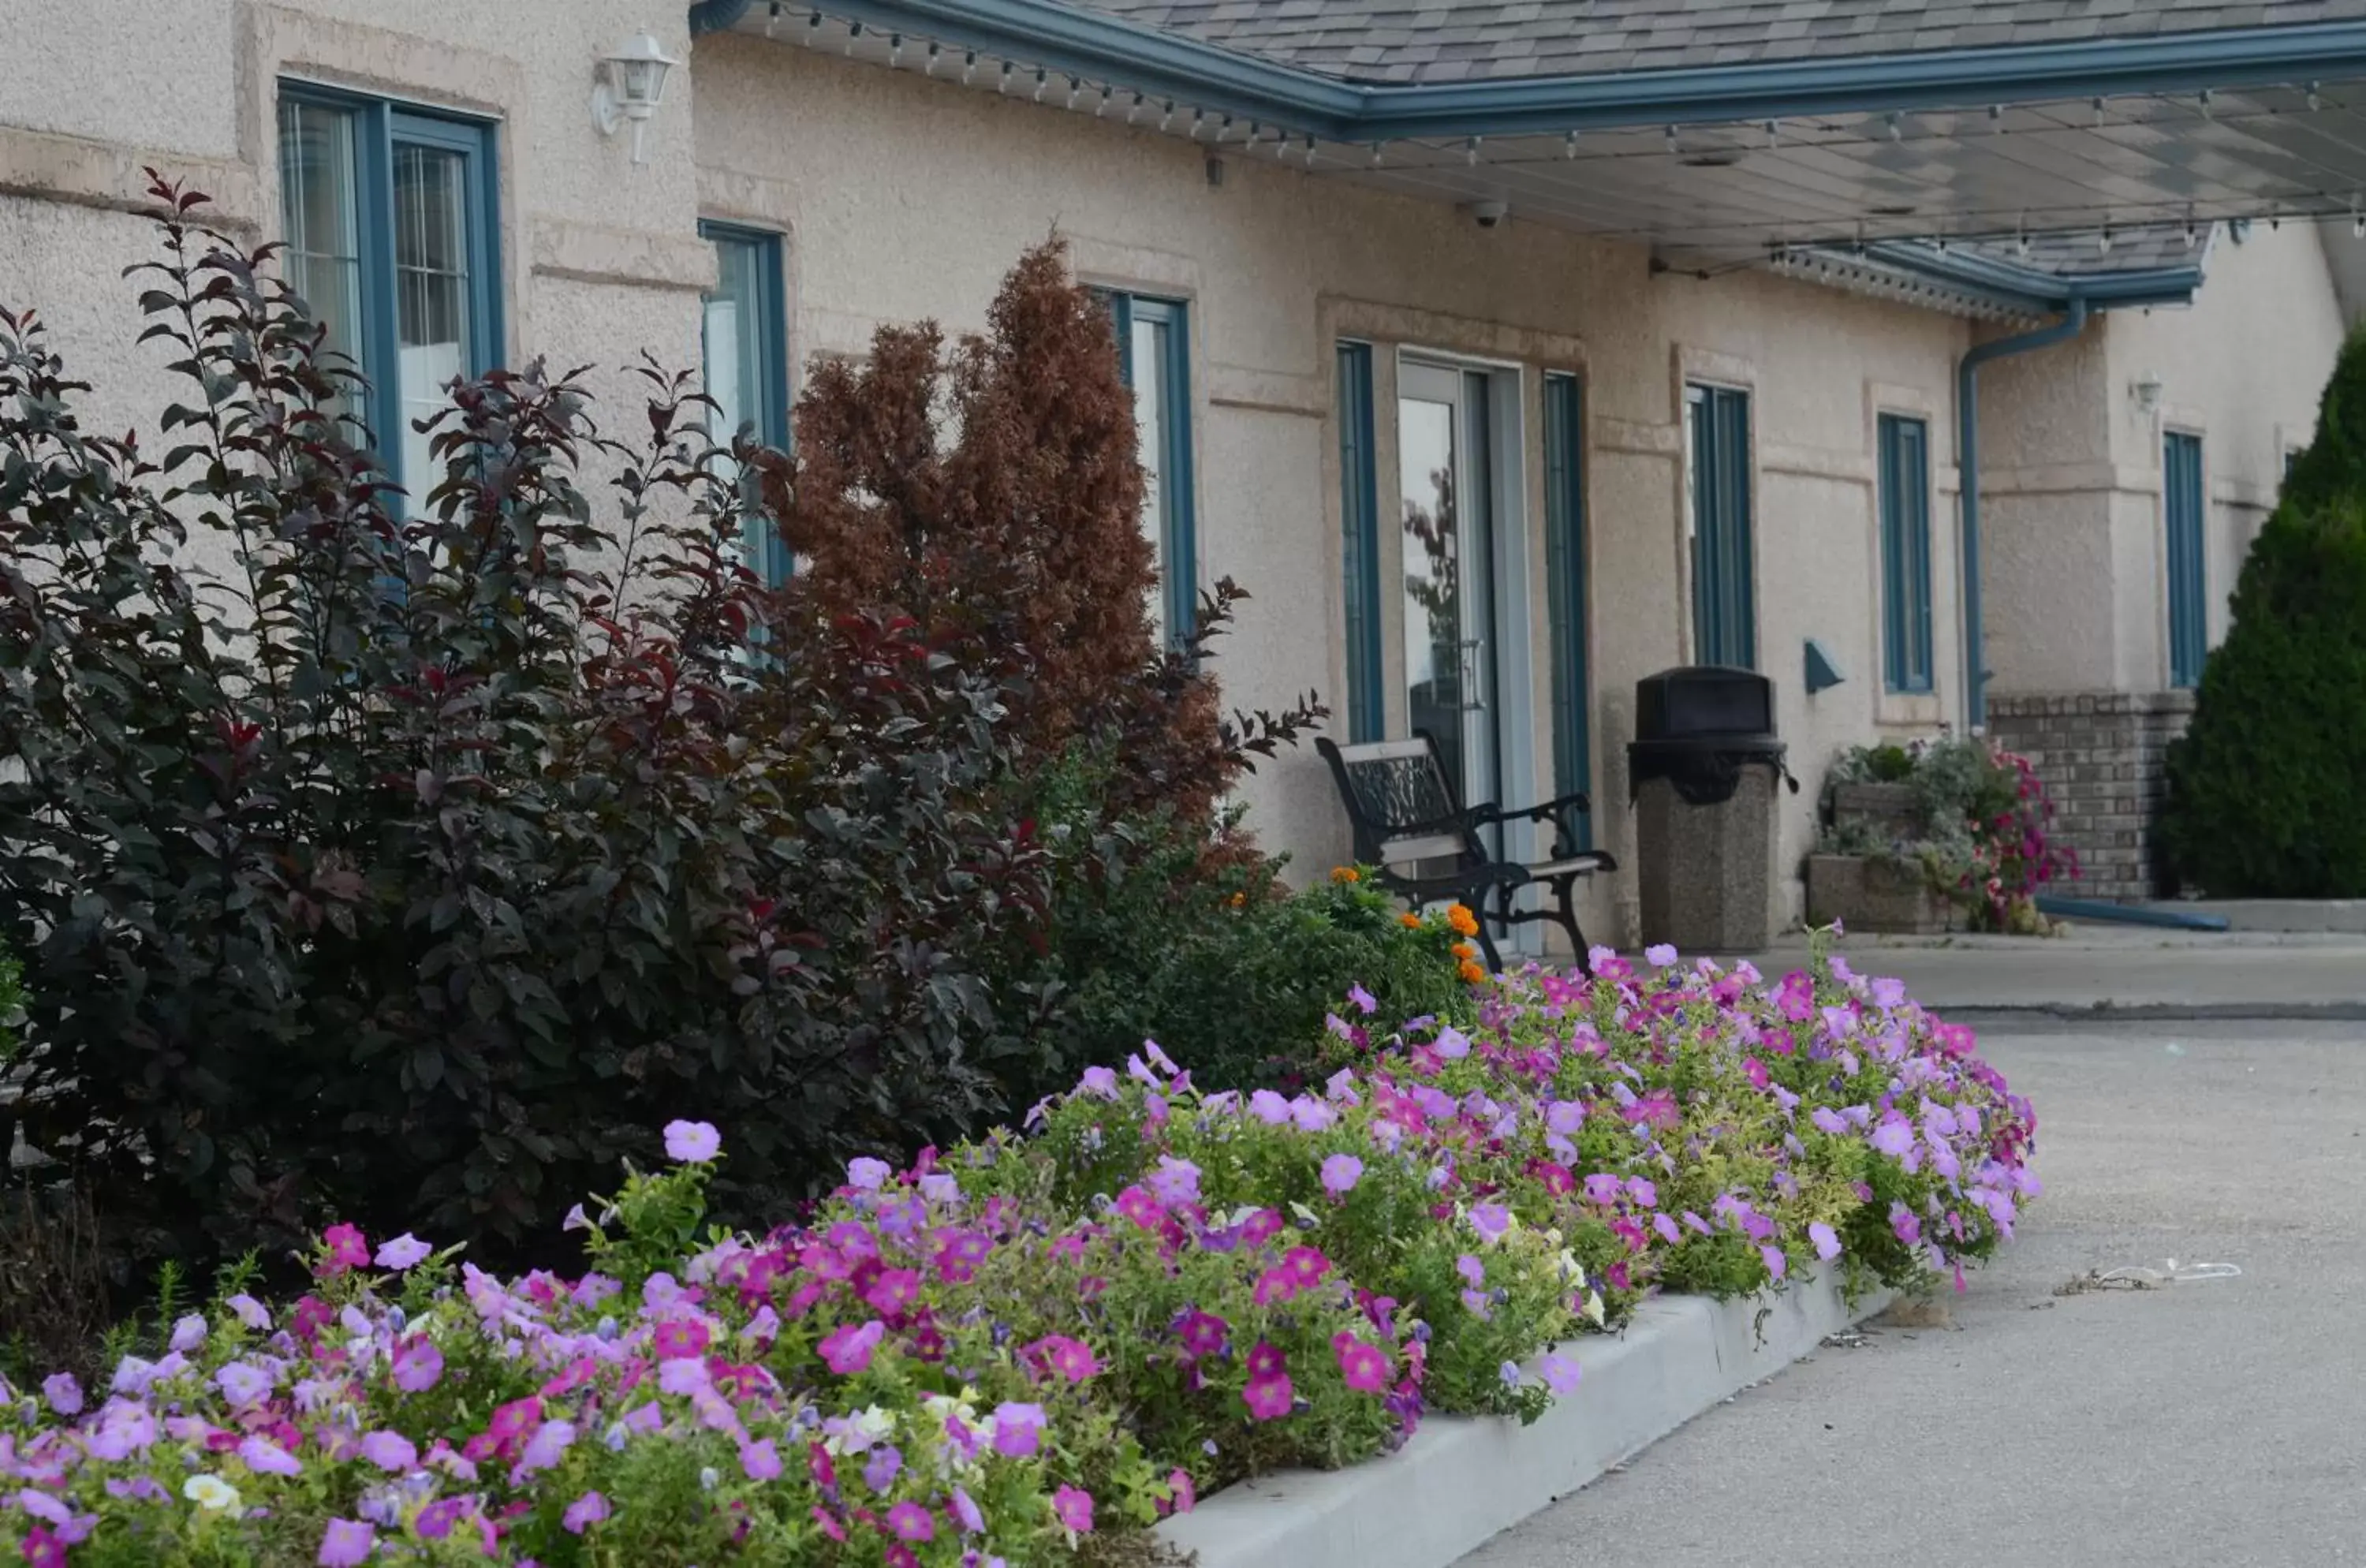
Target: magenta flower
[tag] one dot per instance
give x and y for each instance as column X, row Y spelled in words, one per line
column 1306, row 1266
column 418, row 1366
column 678, row 1338
column 346, row 1248
column 1017, row 1429
column 894, row 1290
column 1072, row 1358
column 1075, row 1507
column 1341, row 1172
column 1561, row 1374
column 1268, row 1398
column 44, row 1548
column 847, row 1349
column 1202, row 1334
column 909, row 1521
column 347, row 1544
column 1136, row 1204
column 1364, row 1366
column 691, row 1143
column 1265, row 1361
column 584, row 1512
column 515, row 1420
column 405, row 1251
column 1828, row 1243
column 1905, row 1226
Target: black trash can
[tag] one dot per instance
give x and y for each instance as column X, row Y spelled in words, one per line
column 1701, row 774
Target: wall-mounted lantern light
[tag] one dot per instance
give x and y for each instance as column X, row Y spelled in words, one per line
column 2145, row 390
column 628, row 85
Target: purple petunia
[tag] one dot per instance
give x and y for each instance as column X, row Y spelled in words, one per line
column 691, row 1143
column 347, row 1543
column 1017, row 1429
column 1341, row 1172
column 1561, row 1374
column 583, row 1512
column 1075, row 1508
column 405, row 1251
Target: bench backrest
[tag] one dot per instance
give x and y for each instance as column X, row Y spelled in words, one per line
column 1390, row 786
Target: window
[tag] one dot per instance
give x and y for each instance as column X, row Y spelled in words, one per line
column 1905, row 554
column 1717, row 431
column 390, row 232
column 1154, row 352
column 2189, row 633
column 1565, row 597
column 1359, row 544
column 747, row 351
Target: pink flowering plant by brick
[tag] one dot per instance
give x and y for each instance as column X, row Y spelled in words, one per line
column 1049, row 1337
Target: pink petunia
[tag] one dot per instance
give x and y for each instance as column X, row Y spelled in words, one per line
column 1075, row 1507
column 691, row 1143
column 346, row 1544
column 1202, row 1334
column 909, row 1521
column 1266, row 1361
column 1017, row 1429
column 847, row 1349
column 405, row 1251
column 1364, row 1366
column 1268, row 1398
column 894, row 1290
column 346, row 1248
column 584, row 1512
column 418, row 1366
column 1072, row 1358
column 680, row 1338
column 1136, row 1204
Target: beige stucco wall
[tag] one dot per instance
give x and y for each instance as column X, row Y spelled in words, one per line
column 2077, row 569
column 903, row 197
column 599, row 258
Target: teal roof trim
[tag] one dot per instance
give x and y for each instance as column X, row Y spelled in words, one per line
column 2043, row 292
column 1091, row 46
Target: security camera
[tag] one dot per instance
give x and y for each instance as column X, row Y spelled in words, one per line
column 1488, row 214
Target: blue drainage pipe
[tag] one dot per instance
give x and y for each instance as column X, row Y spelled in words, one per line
column 1967, row 462
column 2129, row 914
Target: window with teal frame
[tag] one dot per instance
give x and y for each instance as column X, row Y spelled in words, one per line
column 1154, row 343
column 2189, row 605
column 745, row 340
column 1359, row 547
column 1565, row 598
column 1905, row 478
column 1716, row 427
column 392, row 230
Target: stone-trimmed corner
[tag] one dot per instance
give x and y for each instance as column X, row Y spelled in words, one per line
column 1462, row 1480
column 2103, row 756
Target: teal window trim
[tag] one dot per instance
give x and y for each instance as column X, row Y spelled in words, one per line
column 2184, row 510
column 381, row 127
column 1905, row 501
column 1178, row 544
column 1571, row 686
column 1359, row 538
column 1725, row 629
column 769, row 552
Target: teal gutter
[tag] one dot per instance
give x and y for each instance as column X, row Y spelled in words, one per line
column 1065, row 41
column 1967, row 467
column 2043, row 292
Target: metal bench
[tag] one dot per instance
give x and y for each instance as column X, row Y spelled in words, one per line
column 1410, row 823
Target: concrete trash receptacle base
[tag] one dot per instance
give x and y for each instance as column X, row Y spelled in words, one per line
column 1706, row 873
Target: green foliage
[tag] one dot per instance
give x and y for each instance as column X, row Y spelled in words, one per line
column 2264, row 798
column 1228, row 971
column 1980, row 826
column 12, row 1005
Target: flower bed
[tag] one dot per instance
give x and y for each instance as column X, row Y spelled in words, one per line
column 1043, row 1341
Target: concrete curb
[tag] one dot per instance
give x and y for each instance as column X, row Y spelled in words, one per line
column 1462, row 1480
column 2152, row 1012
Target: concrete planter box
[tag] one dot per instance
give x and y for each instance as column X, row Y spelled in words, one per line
column 1875, row 895
column 1462, row 1480
column 1887, row 808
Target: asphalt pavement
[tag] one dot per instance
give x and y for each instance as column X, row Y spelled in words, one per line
column 2216, row 1419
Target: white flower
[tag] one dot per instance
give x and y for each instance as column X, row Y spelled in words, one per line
column 210, row 1493
column 1593, row 1308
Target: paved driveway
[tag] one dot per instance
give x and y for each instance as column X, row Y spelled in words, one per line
column 2214, row 1421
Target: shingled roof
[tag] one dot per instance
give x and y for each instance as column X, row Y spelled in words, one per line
column 1391, row 42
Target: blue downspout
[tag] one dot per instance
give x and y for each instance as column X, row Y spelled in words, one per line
column 716, row 16
column 1967, row 461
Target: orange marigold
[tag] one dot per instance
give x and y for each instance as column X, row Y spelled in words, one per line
column 1463, row 919
column 1410, row 920
column 1345, row 874
column 1472, row 972
column 1466, row 950
column 1239, row 899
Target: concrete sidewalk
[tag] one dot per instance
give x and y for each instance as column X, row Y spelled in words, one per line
column 2132, row 974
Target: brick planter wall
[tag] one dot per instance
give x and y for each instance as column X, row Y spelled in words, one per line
column 2102, row 756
